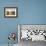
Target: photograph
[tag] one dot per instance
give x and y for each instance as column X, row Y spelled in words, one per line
column 11, row 12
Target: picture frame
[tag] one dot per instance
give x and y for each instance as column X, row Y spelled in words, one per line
column 10, row 12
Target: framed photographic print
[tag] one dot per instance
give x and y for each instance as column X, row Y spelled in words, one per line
column 10, row 12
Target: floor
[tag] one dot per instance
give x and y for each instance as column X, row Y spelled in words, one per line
column 30, row 43
column 7, row 45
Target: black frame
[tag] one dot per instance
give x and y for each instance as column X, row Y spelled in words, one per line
column 11, row 16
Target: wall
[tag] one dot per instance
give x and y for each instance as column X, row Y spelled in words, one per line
column 29, row 12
